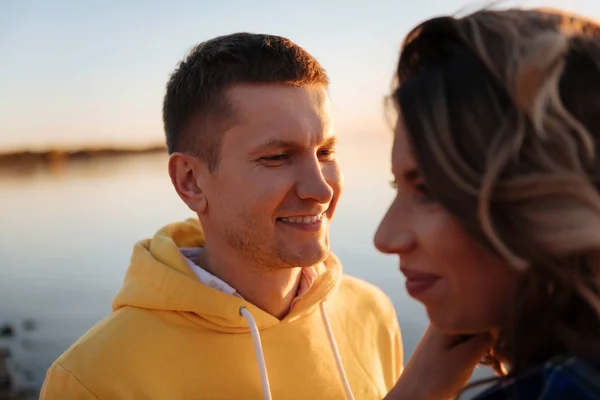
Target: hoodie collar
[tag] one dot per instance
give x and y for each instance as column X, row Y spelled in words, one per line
column 160, row 278
column 307, row 278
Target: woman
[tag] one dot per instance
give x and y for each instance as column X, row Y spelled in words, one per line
column 497, row 213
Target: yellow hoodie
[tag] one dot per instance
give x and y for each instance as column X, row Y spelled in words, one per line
column 172, row 337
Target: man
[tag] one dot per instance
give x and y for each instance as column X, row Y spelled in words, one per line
column 247, row 301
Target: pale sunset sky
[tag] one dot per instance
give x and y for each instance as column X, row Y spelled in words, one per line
column 85, row 73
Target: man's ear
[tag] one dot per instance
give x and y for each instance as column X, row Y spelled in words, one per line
column 189, row 177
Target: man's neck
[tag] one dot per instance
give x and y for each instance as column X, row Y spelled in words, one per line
column 271, row 290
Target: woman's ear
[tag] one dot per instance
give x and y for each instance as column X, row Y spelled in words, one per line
column 188, row 175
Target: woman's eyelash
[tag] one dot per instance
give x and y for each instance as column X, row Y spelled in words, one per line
column 421, row 187
column 425, row 192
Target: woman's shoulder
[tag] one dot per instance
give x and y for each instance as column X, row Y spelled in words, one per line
column 571, row 378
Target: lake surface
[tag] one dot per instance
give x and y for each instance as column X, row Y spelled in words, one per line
column 67, row 235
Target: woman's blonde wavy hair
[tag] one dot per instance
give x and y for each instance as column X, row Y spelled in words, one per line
column 502, row 109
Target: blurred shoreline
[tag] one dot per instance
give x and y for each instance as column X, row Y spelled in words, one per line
column 58, row 156
column 53, row 155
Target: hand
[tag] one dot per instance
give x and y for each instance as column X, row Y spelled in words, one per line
column 440, row 366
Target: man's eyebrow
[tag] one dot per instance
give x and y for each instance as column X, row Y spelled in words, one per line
column 277, row 143
column 290, row 144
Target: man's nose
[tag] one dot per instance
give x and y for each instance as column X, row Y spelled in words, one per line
column 314, row 182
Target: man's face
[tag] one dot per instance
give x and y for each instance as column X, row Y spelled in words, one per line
column 275, row 190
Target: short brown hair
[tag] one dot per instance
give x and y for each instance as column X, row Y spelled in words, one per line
column 195, row 109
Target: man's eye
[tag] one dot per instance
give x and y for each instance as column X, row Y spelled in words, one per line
column 276, row 157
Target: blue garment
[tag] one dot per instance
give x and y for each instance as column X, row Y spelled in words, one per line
column 561, row 378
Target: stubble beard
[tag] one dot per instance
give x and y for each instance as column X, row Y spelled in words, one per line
column 272, row 254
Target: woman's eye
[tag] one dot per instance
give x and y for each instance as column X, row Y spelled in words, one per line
column 425, row 193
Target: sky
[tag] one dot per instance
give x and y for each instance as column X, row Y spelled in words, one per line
column 76, row 73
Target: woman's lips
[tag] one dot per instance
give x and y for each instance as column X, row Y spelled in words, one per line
column 418, row 283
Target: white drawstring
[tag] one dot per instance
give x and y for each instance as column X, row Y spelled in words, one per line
column 336, row 354
column 262, row 368
column 260, row 358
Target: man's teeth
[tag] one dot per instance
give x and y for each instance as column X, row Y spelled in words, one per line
column 303, row 220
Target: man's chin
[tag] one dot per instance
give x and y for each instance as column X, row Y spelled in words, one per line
column 307, row 259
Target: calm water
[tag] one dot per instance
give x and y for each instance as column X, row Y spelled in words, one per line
column 68, row 233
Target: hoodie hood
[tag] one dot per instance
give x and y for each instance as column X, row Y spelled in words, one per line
column 159, row 278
